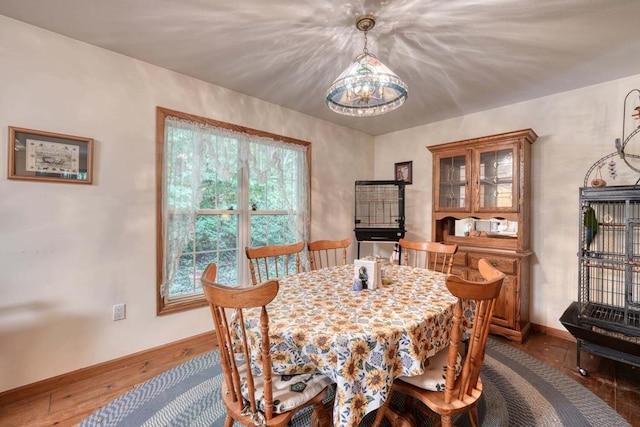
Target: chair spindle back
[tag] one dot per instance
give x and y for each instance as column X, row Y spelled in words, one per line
column 435, row 256
column 328, row 253
column 273, row 261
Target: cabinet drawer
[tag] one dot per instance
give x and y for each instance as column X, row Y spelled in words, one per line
column 506, row 265
column 459, row 271
column 460, row 258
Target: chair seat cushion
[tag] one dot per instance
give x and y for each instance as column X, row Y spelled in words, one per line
column 289, row 391
column 434, row 375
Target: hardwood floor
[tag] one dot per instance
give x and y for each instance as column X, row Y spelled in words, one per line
column 616, row 383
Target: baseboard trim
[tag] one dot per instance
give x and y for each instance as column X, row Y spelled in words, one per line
column 44, row 386
column 552, row 332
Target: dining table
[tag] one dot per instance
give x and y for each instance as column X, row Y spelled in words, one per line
column 362, row 340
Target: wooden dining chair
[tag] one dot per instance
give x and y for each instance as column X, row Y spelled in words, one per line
column 448, row 388
column 436, row 256
column 249, row 398
column 273, row 261
column 210, row 272
column 328, row 253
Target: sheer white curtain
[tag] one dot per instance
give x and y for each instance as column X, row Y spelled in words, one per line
column 287, row 163
column 192, row 148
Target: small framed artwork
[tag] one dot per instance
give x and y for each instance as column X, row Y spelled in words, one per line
column 404, row 172
column 45, row 156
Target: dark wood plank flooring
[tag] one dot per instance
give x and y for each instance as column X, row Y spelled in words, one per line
column 616, row 383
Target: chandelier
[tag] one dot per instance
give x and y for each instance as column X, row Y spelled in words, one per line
column 367, row 87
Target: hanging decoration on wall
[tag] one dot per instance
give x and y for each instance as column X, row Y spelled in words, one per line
column 623, row 149
column 612, row 169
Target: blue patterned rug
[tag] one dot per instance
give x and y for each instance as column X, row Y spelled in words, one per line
column 519, row 390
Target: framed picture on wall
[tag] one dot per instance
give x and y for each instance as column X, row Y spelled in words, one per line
column 46, row 156
column 404, row 172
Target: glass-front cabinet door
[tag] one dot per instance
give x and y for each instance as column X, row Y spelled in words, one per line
column 454, row 172
column 497, row 172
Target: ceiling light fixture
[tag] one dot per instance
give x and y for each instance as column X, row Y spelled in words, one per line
column 367, row 87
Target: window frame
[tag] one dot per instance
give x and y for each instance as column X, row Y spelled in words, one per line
column 179, row 304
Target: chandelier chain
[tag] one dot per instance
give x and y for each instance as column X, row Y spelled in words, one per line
column 366, row 51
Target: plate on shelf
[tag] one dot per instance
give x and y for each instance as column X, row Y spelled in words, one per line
column 510, row 234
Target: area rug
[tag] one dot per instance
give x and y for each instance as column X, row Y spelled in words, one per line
column 519, row 390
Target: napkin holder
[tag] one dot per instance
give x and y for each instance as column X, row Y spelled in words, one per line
column 368, row 272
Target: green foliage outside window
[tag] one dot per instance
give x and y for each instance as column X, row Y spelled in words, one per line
column 219, row 220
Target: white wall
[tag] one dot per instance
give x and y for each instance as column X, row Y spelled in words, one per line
column 69, row 252
column 575, row 129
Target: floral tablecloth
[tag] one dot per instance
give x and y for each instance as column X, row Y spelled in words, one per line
column 362, row 340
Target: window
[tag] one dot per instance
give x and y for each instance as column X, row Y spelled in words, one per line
column 222, row 188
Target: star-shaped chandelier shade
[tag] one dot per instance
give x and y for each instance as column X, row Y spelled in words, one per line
column 367, row 87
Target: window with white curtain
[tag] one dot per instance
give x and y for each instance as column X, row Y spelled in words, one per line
column 222, row 188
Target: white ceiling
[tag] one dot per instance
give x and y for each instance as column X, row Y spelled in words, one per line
column 456, row 56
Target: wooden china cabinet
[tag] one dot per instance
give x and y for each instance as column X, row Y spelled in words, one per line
column 481, row 201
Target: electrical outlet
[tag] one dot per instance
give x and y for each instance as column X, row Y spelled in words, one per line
column 119, row 311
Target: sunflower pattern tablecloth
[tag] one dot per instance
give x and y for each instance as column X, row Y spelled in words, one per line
column 362, row 340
